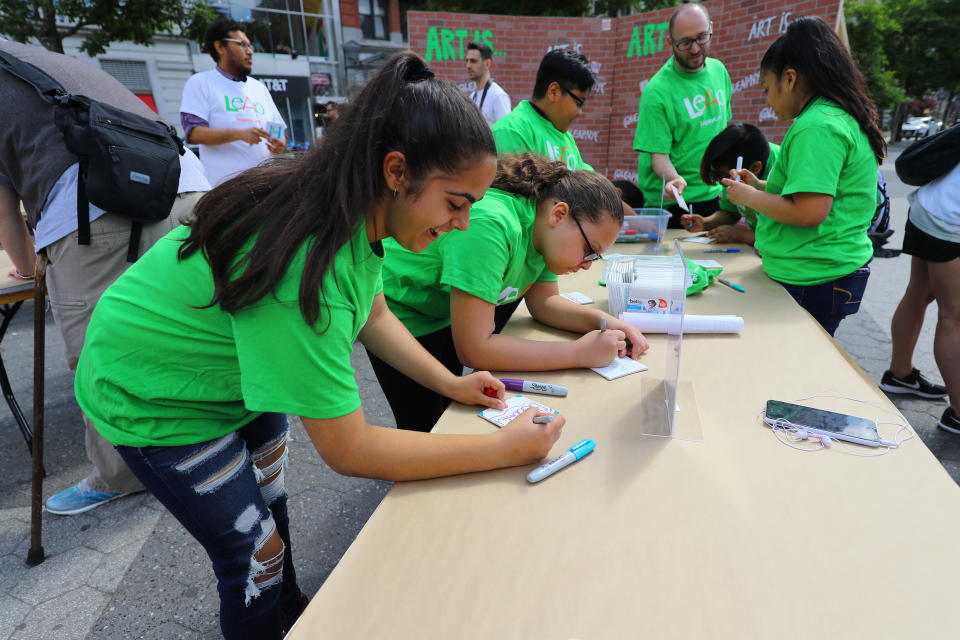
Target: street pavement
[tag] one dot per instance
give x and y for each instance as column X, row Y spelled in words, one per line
column 128, row 569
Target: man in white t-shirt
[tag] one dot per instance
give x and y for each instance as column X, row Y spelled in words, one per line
column 229, row 114
column 490, row 98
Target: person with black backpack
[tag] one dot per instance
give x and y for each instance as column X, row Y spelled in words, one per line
column 932, row 238
column 71, row 199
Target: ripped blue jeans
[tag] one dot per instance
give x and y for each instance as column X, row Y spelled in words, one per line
column 229, row 494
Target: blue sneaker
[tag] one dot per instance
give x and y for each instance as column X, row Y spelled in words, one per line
column 79, row 498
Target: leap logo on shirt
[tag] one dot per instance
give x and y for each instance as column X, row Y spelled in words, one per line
column 556, row 153
column 508, row 295
column 237, row 104
column 697, row 106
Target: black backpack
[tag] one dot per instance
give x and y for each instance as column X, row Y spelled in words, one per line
column 129, row 165
column 928, row 159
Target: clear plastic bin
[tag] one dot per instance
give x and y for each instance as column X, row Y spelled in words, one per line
column 648, row 225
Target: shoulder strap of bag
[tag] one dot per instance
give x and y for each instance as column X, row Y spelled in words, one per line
column 483, row 98
column 49, row 89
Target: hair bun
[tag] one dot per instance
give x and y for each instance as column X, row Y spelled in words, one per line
column 424, row 73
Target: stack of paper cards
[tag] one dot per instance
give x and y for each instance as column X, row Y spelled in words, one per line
column 702, row 239
column 647, row 284
column 576, row 296
column 620, row 367
column 516, row 405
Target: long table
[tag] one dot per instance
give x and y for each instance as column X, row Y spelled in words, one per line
column 737, row 536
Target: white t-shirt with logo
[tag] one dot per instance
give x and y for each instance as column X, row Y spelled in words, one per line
column 228, row 104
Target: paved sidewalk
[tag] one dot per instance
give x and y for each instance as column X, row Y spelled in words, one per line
column 128, row 570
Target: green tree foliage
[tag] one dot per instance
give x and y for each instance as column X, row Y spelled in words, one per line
column 905, row 46
column 923, row 53
column 871, row 28
column 101, row 21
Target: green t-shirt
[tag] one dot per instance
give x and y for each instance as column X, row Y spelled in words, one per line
column 523, row 129
column 158, row 370
column 494, row 260
column 749, row 214
column 824, row 151
column 679, row 114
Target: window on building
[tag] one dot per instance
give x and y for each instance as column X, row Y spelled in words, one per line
column 373, row 19
column 283, row 27
column 134, row 76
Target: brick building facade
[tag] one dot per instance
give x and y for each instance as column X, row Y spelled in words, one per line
column 625, row 53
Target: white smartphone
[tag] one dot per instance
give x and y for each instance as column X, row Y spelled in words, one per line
column 828, row 423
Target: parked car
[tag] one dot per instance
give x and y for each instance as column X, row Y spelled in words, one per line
column 919, row 127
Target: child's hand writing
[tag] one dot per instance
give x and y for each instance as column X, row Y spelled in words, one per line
column 596, row 349
column 525, row 442
column 692, row 222
column 632, row 336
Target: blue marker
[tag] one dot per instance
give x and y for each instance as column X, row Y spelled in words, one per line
column 721, row 250
column 570, row 456
column 735, row 287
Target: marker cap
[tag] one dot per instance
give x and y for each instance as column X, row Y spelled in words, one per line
column 582, row 448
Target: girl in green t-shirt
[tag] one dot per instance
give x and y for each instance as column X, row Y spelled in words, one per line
column 193, row 356
column 538, row 221
column 817, row 203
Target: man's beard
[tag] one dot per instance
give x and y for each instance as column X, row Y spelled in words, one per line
column 682, row 63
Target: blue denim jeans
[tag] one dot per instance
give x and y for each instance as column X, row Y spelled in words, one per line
column 229, row 494
column 831, row 302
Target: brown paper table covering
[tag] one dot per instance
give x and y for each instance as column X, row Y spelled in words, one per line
column 737, row 536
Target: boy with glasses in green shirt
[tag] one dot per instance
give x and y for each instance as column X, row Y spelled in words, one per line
column 541, row 125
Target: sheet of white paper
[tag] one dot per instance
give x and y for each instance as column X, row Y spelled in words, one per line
column 576, row 296
column 660, row 323
column 620, row 367
column 516, row 405
column 700, row 239
column 680, row 200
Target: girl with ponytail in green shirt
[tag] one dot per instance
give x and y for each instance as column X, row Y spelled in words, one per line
column 250, row 312
column 818, row 201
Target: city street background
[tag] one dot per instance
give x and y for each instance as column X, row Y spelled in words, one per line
column 129, row 570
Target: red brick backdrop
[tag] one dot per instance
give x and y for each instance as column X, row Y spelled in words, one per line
column 625, row 53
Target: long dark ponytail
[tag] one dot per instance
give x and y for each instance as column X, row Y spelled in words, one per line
column 249, row 228
column 589, row 195
column 812, row 48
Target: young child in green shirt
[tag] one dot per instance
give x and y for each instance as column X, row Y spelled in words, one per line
column 538, row 221
column 758, row 155
column 818, row 200
column 251, row 312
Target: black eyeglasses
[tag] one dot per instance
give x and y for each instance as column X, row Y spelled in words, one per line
column 580, row 101
column 591, row 254
column 686, row 43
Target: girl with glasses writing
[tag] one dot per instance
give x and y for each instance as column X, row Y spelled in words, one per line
column 538, row 220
